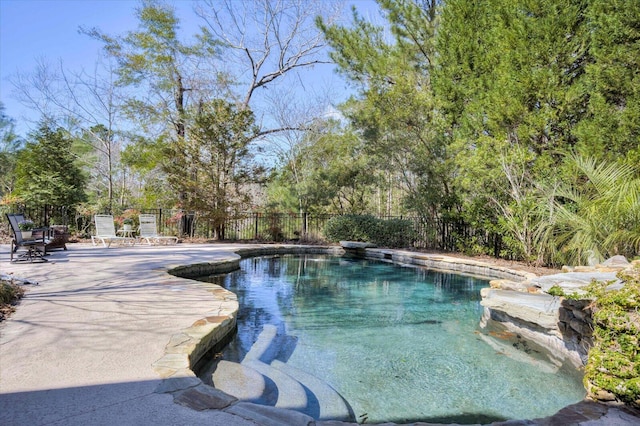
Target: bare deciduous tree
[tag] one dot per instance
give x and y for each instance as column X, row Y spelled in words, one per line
column 267, row 40
column 82, row 102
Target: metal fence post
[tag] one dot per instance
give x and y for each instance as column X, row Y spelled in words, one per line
column 305, row 217
column 255, row 231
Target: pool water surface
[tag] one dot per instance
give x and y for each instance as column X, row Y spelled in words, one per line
column 400, row 344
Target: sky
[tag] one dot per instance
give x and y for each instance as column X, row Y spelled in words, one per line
column 33, row 30
column 47, row 30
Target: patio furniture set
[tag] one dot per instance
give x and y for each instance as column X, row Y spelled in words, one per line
column 32, row 244
column 147, row 232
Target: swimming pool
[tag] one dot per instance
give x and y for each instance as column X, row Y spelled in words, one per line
column 400, row 344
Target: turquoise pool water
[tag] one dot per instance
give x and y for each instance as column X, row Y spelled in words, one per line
column 400, row 344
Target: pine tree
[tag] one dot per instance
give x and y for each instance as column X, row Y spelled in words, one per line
column 47, row 175
column 612, row 128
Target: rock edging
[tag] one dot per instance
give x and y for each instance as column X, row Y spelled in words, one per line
column 186, row 348
column 563, row 326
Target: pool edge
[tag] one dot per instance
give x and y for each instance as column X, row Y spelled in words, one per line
column 184, row 349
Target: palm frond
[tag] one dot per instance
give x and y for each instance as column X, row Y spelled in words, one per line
column 596, row 215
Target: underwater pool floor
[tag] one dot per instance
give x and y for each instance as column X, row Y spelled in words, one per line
column 399, row 344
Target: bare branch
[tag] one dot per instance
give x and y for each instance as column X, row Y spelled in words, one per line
column 271, row 38
column 263, row 133
column 82, row 103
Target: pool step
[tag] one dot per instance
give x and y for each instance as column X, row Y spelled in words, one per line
column 244, row 383
column 265, row 348
column 330, row 404
column 285, row 392
column 289, row 392
column 262, row 379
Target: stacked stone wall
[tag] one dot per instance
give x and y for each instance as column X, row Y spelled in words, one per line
column 575, row 324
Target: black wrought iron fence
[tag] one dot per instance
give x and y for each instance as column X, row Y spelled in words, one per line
column 438, row 234
column 275, row 226
column 42, row 216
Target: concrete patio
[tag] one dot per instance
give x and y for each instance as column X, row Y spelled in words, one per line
column 80, row 346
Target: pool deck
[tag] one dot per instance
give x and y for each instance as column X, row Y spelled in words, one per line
column 81, row 347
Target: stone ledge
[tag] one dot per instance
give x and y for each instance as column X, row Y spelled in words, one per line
column 188, row 390
column 208, row 268
column 276, row 249
column 537, row 309
column 356, row 245
column 449, row 264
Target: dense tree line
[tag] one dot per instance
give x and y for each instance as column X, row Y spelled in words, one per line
column 520, row 118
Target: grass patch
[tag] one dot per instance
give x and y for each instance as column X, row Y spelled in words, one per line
column 10, row 294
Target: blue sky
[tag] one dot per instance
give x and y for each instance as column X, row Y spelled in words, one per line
column 32, row 30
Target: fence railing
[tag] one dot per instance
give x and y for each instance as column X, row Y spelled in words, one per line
column 435, row 234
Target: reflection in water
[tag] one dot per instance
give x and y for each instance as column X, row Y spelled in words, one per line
column 397, row 342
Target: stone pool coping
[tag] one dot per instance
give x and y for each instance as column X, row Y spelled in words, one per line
column 205, row 334
column 81, row 344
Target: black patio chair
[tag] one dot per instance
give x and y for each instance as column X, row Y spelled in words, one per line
column 35, row 248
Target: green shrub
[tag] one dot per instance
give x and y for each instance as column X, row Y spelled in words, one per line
column 366, row 228
column 351, row 228
column 395, row 233
column 614, row 360
column 471, row 246
column 556, row 290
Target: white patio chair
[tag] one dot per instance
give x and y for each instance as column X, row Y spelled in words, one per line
column 106, row 232
column 148, row 231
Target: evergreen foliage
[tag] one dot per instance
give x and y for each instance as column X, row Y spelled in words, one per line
column 397, row 112
column 10, row 144
column 213, row 165
column 46, row 172
column 361, row 228
column 611, row 127
column 483, row 108
column 394, row 233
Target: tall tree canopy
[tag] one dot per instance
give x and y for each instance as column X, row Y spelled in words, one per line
column 213, row 164
column 88, row 105
column 611, row 127
column 46, row 172
column 167, row 72
column 479, row 105
column 329, row 173
column 396, row 110
column 169, row 78
column 10, row 144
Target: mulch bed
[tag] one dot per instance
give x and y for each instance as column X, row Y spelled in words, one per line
column 511, row 264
